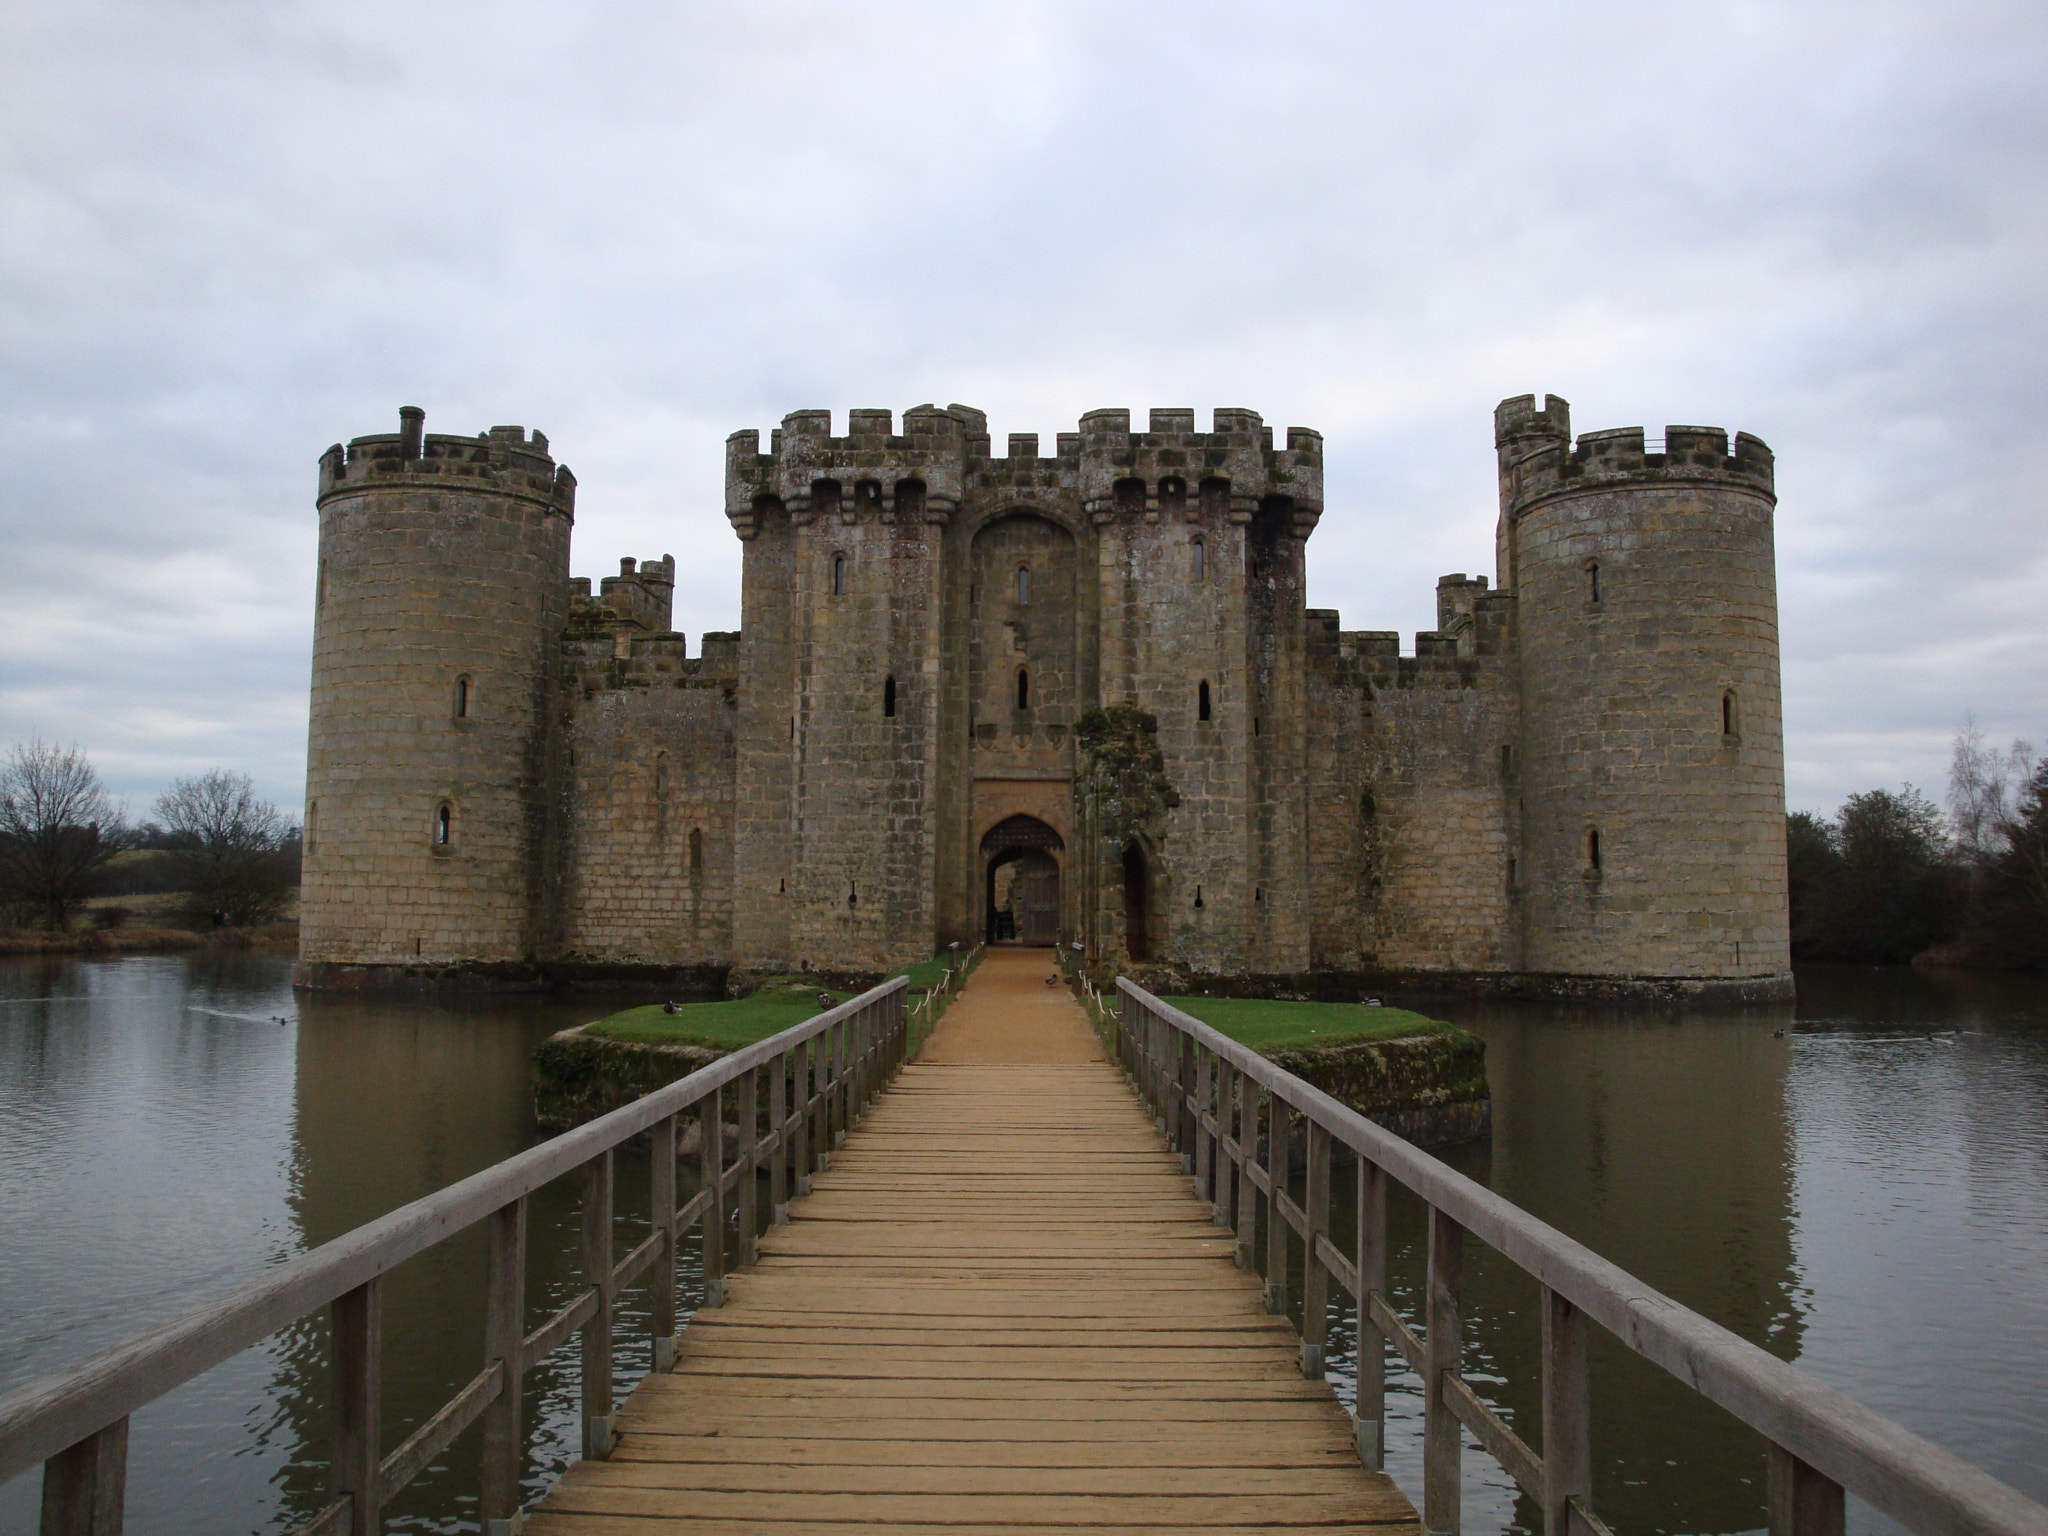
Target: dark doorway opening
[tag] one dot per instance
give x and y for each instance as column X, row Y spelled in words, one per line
column 1137, row 923
column 1024, row 898
column 1021, row 882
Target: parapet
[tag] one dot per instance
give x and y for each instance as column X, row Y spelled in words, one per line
column 1170, row 468
column 502, row 462
column 871, row 471
column 633, row 603
column 1539, row 461
column 942, row 456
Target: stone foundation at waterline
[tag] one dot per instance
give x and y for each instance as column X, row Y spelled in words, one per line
column 1092, row 672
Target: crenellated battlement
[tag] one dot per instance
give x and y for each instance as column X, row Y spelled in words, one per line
column 503, row 461
column 943, row 456
column 636, row 602
column 1539, row 460
column 601, row 664
column 873, row 471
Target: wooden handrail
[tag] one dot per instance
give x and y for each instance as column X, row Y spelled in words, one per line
column 1822, row 1440
column 76, row 1420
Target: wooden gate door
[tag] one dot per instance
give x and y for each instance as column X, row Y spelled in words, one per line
column 1040, row 878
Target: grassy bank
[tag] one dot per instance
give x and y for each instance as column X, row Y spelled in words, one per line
column 99, row 941
column 721, row 1026
column 1267, row 1026
column 779, row 1003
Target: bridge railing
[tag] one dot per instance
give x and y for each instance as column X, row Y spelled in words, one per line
column 817, row 1079
column 1234, row 1116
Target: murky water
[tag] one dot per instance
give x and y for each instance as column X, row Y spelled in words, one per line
column 1866, row 1193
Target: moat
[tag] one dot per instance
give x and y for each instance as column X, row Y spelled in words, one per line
column 1858, row 1182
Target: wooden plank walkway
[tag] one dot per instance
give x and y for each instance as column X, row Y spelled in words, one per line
column 1001, row 1307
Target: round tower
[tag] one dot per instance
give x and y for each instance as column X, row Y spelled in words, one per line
column 442, row 592
column 1651, row 773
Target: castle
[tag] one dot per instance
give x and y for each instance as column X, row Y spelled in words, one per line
column 1075, row 696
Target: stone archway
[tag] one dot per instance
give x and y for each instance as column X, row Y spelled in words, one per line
column 1021, row 858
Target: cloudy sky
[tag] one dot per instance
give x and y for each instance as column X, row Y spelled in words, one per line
column 232, row 233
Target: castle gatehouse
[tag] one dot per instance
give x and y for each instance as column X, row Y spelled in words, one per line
column 1074, row 696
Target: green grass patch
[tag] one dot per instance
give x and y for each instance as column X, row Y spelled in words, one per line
column 1274, row 1026
column 723, row 1026
column 925, row 975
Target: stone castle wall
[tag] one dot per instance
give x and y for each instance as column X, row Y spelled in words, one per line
column 925, row 626
column 1654, row 761
column 647, row 810
column 1413, row 845
column 442, row 591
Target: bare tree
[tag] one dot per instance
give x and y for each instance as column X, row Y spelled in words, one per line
column 235, row 855
column 1984, row 786
column 59, row 829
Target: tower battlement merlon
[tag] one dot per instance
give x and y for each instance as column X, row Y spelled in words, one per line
column 1234, row 468
column 636, row 601
column 1539, row 460
column 871, row 471
column 503, row 461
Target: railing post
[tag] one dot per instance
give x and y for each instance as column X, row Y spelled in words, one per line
column 661, row 1196
column 1247, row 1206
column 711, row 1176
column 85, row 1485
column 1222, row 1171
column 1567, row 1413
column 778, row 1159
column 1443, row 1349
column 840, row 1102
column 504, row 1446
column 1205, row 1136
column 1315, row 1278
column 358, row 1343
column 1802, row 1501
column 806, row 1090
column 1162, row 1077
column 1280, row 1133
column 747, row 1157
column 1186, row 1109
column 1371, row 1414
column 597, row 1333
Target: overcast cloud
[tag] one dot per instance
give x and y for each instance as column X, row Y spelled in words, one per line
column 231, row 234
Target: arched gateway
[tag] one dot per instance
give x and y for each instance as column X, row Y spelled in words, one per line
column 1021, row 859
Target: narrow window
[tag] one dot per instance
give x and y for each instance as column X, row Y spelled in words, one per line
column 889, row 696
column 1593, row 849
column 1023, row 583
column 661, row 775
column 462, row 698
column 1507, row 760
column 1511, row 874
column 1198, row 896
column 839, row 575
column 312, row 822
column 1258, row 893
column 1592, row 581
column 852, row 894
column 1201, row 561
column 1202, row 701
column 1023, row 688
column 1255, row 725
column 441, row 827
column 1731, row 720
column 696, row 850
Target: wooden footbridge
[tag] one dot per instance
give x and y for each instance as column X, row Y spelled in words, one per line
column 988, row 1288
